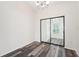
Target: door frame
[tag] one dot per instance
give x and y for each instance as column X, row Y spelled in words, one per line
column 50, row 30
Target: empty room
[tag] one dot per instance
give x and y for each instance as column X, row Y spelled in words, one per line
column 39, row 28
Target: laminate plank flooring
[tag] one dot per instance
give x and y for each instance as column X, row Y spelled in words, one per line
column 37, row 49
column 22, row 52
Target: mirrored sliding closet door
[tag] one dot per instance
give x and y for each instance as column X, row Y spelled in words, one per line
column 52, row 30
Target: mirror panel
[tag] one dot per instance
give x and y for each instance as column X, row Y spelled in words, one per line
column 57, row 31
column 45, row 28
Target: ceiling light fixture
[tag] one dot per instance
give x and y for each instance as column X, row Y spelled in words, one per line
column 42, row 4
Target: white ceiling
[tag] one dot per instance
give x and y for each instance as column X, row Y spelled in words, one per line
column 52, row 3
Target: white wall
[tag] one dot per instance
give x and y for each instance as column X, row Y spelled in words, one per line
column 77, row 46
column 69, row 10
column 16, row 26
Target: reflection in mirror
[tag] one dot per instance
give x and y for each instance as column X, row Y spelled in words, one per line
column 45, row 28
column 57, row 31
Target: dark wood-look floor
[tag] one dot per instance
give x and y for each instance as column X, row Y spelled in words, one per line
column 70, row 53
column 22, row 52
column 37, row 49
